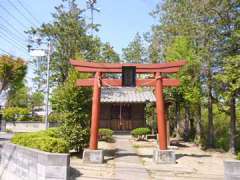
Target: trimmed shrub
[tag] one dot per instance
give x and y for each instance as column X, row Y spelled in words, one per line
column 16, row 114
column 140, row 133
column 43, row 140
column 57, row 117
column 105, row 135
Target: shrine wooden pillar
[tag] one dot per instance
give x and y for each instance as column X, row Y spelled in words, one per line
column 161, row 122
column 95, row 111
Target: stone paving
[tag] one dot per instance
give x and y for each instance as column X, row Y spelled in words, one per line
column 128, row 165
column 121, row 162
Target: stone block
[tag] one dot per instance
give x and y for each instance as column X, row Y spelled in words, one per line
column 164, row 156
column 22, row 163
column 58, row 172
column 93, row 156
column 231, row 169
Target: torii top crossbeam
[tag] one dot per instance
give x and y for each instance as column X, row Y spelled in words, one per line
column 158, row 82
column 170, row 67
column 88, row 67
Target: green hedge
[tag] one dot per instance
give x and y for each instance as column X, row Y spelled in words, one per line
column 140, row 133
column 105, row 134
column 48, row 141
column 57, row 117
column 16, row 114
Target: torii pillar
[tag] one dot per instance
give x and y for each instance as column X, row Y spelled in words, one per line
column 161, row 122
column 95, row 112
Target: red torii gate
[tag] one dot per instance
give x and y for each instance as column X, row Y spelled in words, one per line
column 97, row 82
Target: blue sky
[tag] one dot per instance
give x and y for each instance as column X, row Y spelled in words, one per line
column 120, row 20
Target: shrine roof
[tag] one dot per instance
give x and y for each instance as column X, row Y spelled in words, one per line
column 127, row 95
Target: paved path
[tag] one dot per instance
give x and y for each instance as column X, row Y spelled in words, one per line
column 128, row 165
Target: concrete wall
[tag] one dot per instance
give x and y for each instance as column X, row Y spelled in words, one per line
column 231, row 170
column 28, row 126
column 21, row 163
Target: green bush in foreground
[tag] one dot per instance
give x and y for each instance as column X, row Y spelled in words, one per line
column 105, row 135
column 140, row 133
column 76, row 136
column 43, row 140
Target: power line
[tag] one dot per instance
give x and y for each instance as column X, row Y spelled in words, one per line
column 5, row 51
column 21, row 4
column 20, row 23
column 12, row 39
column 10, row 42
column 13, row 27
column 23, row 15
column 8, row 31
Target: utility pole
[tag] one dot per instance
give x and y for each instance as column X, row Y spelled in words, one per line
column 48, row 73
column 37, row 52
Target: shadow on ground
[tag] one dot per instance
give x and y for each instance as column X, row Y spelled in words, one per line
column 74, row 173
column 77, row 154
column 177, row 143
column 178, row 156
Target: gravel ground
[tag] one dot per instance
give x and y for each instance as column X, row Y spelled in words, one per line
column 192, row 162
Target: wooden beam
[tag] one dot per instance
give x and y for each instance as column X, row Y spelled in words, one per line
column 118, row 82
column 138, row 70
column 82, row 63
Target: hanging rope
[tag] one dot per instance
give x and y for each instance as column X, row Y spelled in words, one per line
column 158, row 77
column 98, row 81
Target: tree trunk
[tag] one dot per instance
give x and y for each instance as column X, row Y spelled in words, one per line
column 152, row 121
column 186, row 122
column 177, row 115
column 232, row 145
column 199, row 123
column 210, row 138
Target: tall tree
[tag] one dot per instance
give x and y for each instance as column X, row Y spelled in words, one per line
column 227, row 52
column 135, row 52
column 69, row 34
column 18, row 96
column 196, row 21
column 108, row 54
column 36, row 99
column 12, row 72
column 189, row 89
column 229, row 80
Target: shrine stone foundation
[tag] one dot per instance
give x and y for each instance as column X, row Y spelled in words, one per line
column 164, row 156
column 93, row 156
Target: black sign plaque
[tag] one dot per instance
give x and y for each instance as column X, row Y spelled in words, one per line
column 129, row 76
